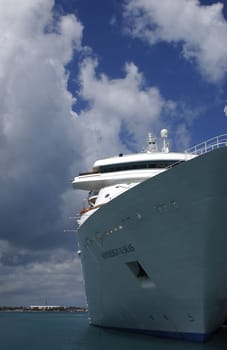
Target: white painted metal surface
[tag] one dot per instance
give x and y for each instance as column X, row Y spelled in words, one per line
column 154, row 253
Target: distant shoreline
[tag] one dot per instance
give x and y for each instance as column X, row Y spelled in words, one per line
column 41, row 308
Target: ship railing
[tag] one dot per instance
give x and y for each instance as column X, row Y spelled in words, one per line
column 208, row 145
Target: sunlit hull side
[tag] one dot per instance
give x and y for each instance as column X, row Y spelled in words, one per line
column 175, row 227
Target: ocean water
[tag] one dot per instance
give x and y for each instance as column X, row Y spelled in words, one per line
column 70, row 331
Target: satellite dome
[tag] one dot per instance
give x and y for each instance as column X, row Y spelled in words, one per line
column 164, row 133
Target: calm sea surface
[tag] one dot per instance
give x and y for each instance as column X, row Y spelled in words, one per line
column 70, row 331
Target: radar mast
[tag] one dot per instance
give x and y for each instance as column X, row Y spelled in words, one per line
column 151, row 144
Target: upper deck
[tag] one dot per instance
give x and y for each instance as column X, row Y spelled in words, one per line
column 134, row 168
column 156, row 160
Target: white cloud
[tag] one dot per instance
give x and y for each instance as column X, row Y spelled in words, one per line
column 119, row 105
column 42, row 146
column 38, row 138
column 201, row 30
column 127, row 106
column 39, row 141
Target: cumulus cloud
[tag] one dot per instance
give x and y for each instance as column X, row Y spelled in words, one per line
column 43, row 143
column 38, row 139
column 200, row 30
column 36, row 129
column 121, row 111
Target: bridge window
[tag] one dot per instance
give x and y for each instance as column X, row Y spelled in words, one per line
column 159, row 164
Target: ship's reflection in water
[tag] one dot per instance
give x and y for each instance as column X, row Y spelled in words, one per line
column 97, row 338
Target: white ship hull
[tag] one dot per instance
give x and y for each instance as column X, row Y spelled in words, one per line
column 174, row 226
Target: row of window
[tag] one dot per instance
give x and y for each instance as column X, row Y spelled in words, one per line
column 138, row 165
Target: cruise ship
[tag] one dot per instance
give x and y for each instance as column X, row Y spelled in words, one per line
column 153, row 240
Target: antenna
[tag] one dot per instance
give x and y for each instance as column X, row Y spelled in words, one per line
column 164, row 135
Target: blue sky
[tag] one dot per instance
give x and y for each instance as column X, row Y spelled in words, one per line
column 199, row 97
column 82, row 80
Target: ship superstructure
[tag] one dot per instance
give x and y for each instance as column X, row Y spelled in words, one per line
column 111, row 177
column 153, row 240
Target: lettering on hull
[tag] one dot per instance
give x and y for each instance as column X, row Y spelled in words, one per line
column 125, row 249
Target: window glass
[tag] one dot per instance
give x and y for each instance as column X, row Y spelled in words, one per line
column 159, row 164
